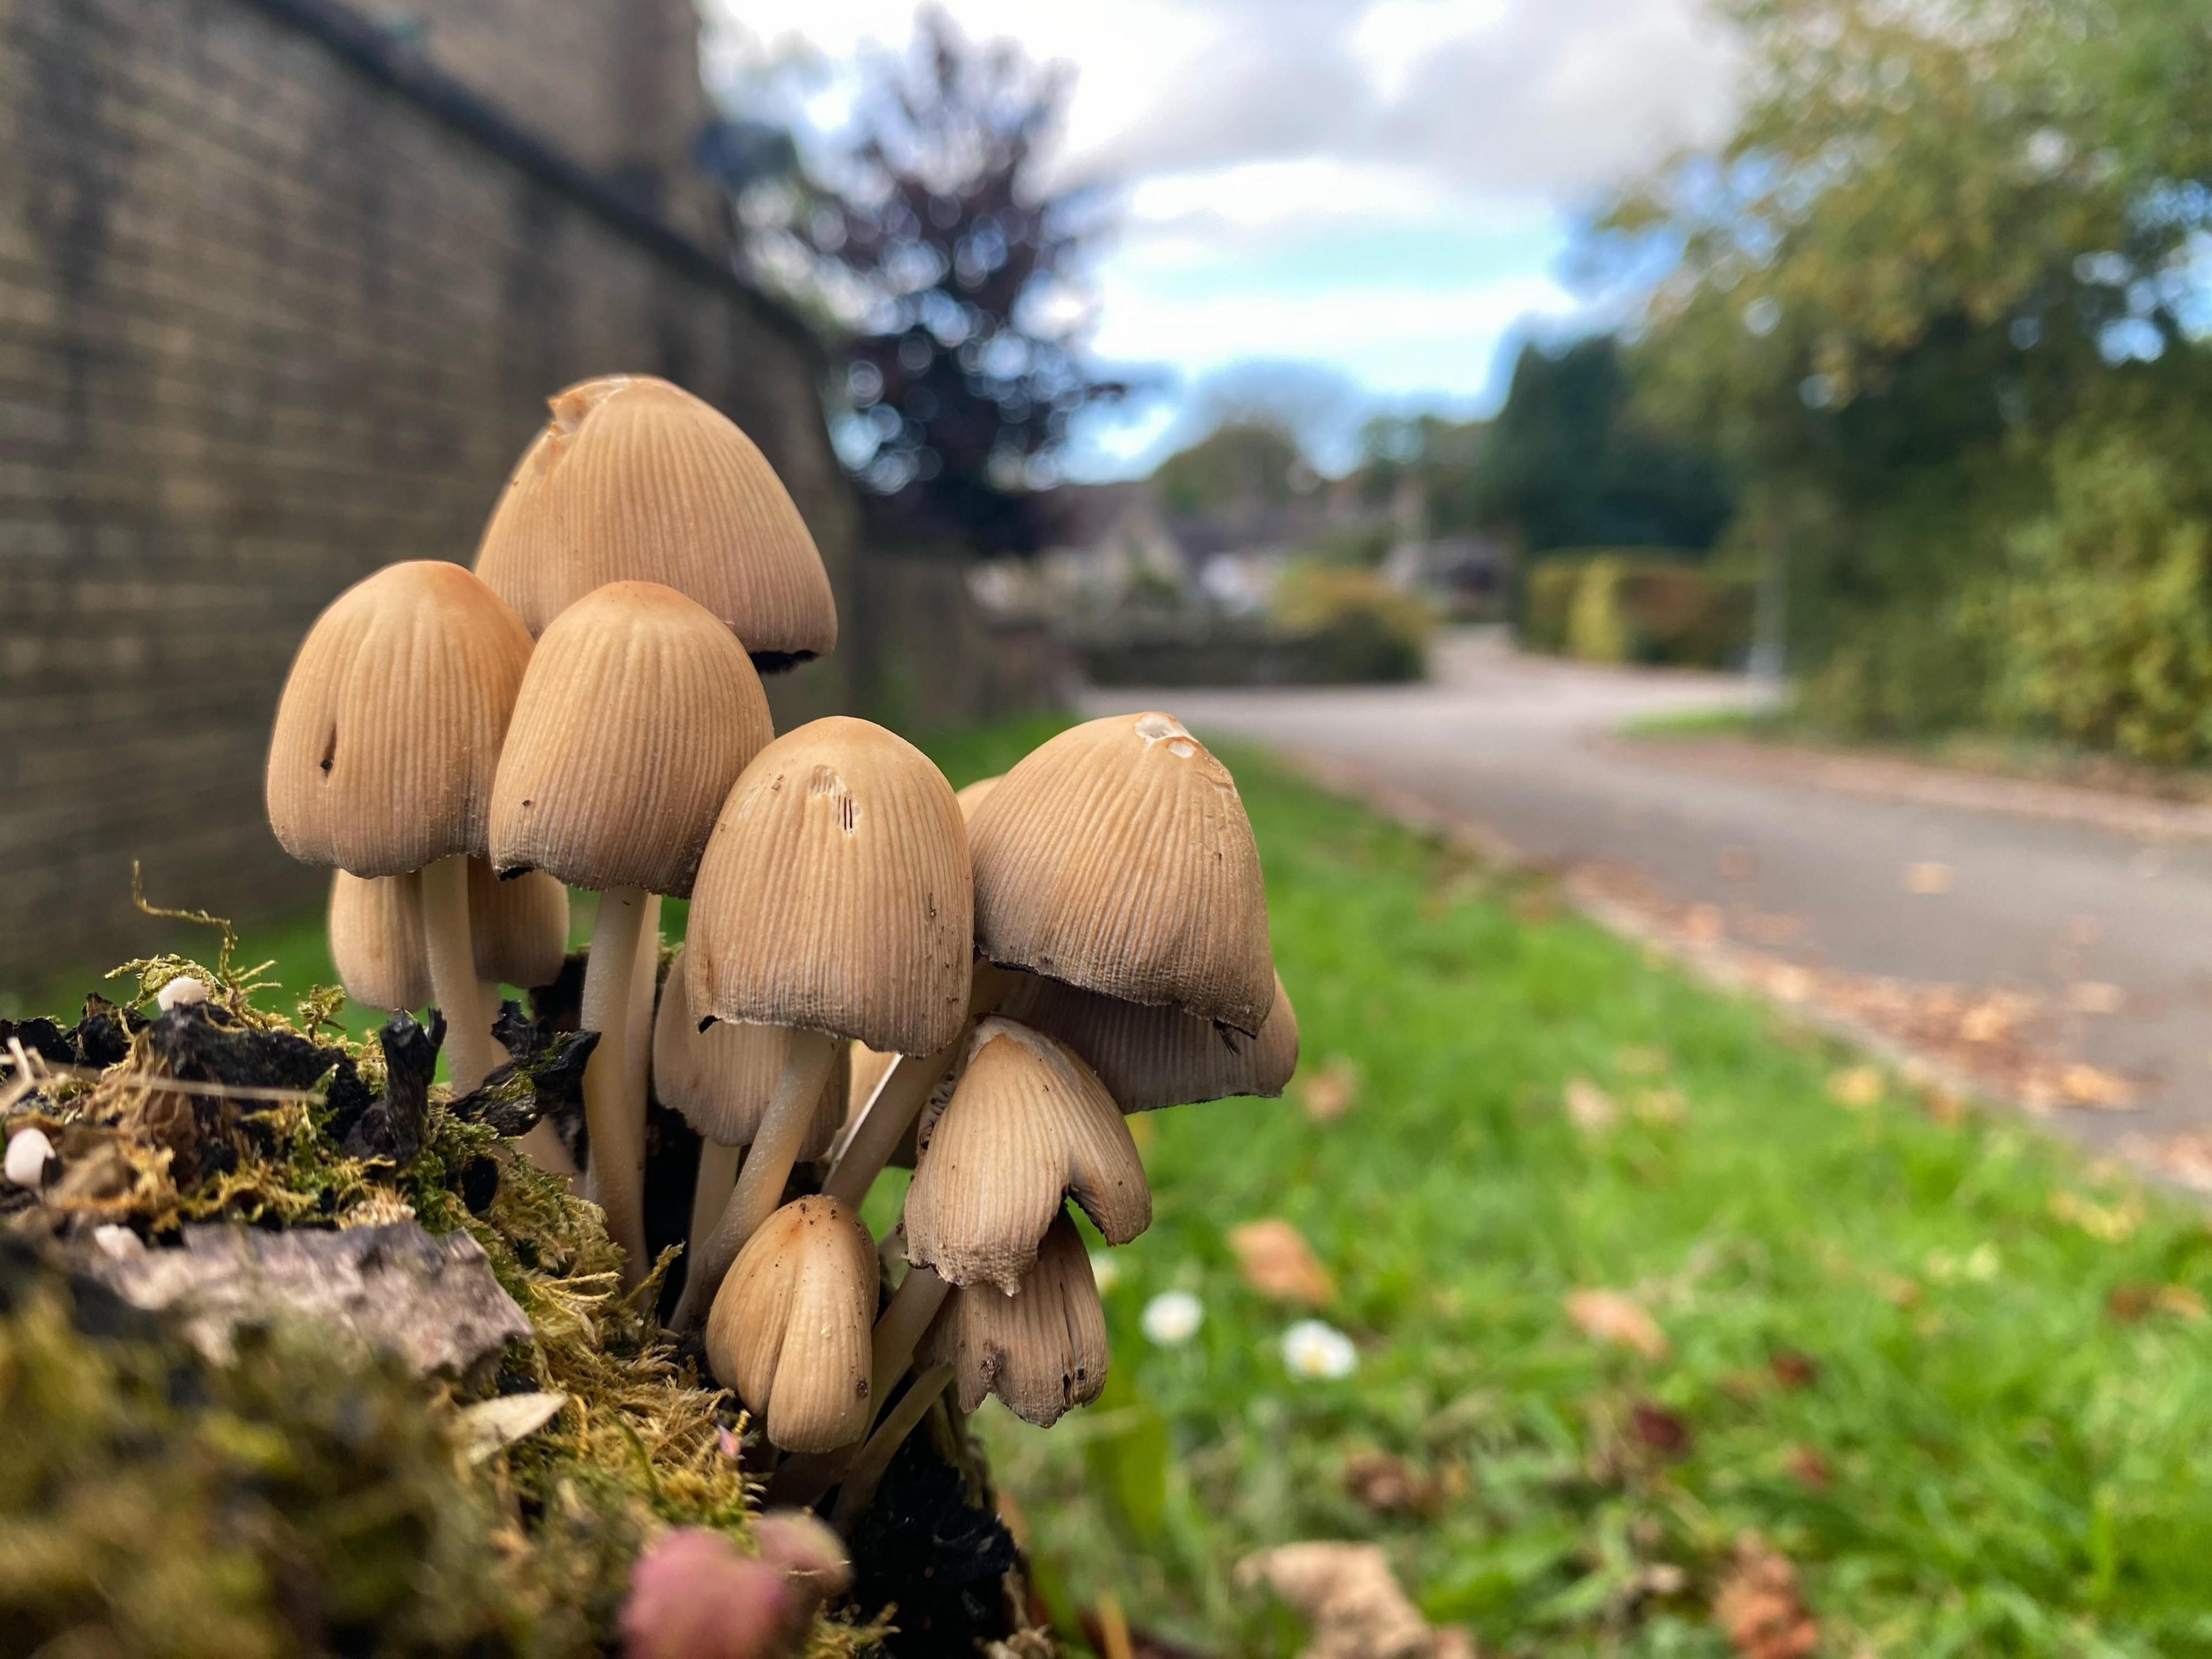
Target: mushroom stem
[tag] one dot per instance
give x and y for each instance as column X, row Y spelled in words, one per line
column 472, row 1051
column 615, row 1114
column 905, row 1088
column 905, row 1317
column 718, row 1174
column 866, row 1473
column 642, row 990
column 782, row 1131
column 542, row 1145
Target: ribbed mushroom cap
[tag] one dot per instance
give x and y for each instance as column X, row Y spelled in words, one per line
column 1042, row 1350
column 389, row 729
column 720, row 1078
column 791, row 1326
column 975, row 794
column 1149, row 1058
column 376, row 940
column 517, row 928
column 637, row 480
column 835, row 893
column 638, row 712
column 1117, row 857
column 1028, row 1124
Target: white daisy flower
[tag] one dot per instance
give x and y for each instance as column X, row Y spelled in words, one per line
column 1172, row 1318
column 1318, row 1352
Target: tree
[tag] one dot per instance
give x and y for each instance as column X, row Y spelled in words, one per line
column 1241, row 465
column 1567, row 464
column 956, row 277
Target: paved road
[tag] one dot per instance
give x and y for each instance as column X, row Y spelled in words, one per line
column 2033, row 901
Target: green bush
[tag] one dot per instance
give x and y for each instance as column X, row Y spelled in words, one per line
column 1631, row 607
column 1363, row 619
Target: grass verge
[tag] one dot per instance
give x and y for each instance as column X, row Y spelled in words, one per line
column 1961, row 1380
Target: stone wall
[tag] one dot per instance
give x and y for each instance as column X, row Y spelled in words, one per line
column 272, row 312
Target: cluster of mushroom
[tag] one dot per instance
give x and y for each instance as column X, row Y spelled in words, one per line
column 1001, row 974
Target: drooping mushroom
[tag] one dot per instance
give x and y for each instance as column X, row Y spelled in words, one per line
column 1152, row 1057
column 974, row 794
column 388, row 736
column 1117, row 857
column 1042, row 1350
column 520, row 926
column 518, row 935
column 833, row 900
column 637, row 480
column 721, row 1079
column 639, row 712
column 790, row 1325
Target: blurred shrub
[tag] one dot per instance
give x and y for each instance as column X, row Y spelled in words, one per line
column 1363, row 621
column 1328, row 624
column 1626, row 607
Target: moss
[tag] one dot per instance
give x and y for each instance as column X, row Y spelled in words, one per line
column 304, row 1499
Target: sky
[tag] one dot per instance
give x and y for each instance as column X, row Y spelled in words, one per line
column 1378, row 192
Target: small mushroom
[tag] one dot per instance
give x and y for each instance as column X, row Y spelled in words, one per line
column 833, row 900
column 518, row 935
column 30, row 1158
column 720, row 1079
column 789, row 1329
column 1042, row 1350
column 1028, row 1125
column 1117, row 857
column 974, row 794
column 637, row 480
column 1149, row 1058
column 638, row 712
column 387, row 740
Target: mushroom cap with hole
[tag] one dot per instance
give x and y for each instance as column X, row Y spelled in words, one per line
column 635, row 479
column 722, row 1078
column 1028, row 1125
column 1149, row 1058
column 1118, row 856
column 638, row 712
column 376, row 939
column 792, row 1326
column 975, row 794
column 389, row 730
column 834, row 895
column 1042, row 1350
column 519, row 927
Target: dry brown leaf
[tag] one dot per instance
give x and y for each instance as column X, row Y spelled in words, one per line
column 1617, row 1317
column 1331, row 1090
column 1348, row 1596
column 1658, row 1429
column 1388, row 1485
column 2082, row 1085
column 1758, row 1606
column 1928, row 877
column 1810, row 1469
column 1277, row 1262
column 1590, row 1108
column 1856, row 1086
column 1793, row 1369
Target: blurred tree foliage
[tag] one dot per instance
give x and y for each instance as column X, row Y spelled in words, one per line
column 1940, row 301
column 1431, row 455
column 1243, row 464
column 954, row 280
column 1568, row 463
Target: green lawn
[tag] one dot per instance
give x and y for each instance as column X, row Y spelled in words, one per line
column 2002, row 1441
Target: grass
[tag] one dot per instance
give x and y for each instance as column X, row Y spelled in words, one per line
column 2002, row 1441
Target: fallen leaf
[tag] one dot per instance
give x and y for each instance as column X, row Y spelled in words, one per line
column 1855, row 1085
column 1927, row 876
column 1277, row 1262
column 1353, row 1605
column 1331, row 1090
column 1658, row 1429
column 1617, row 1317
column 1808, row 1468
column 2080, row 1085
column 1793, row 1369
column 1758, row 1606
column 1386, row 1485
column 1590, row 1108
column 505, row 1418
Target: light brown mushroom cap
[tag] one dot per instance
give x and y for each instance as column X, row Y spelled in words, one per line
column 1149, row 1058
column 517, row 928
column 638, row 712
column 389, row 729
column 1117, row 857
column 1028, row 1123
column 834, row 895
column 1042, row 1350
column 722, row 1078
column 637, row 480
column 975, row 794
column 376, row 940
column 791, row 1326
